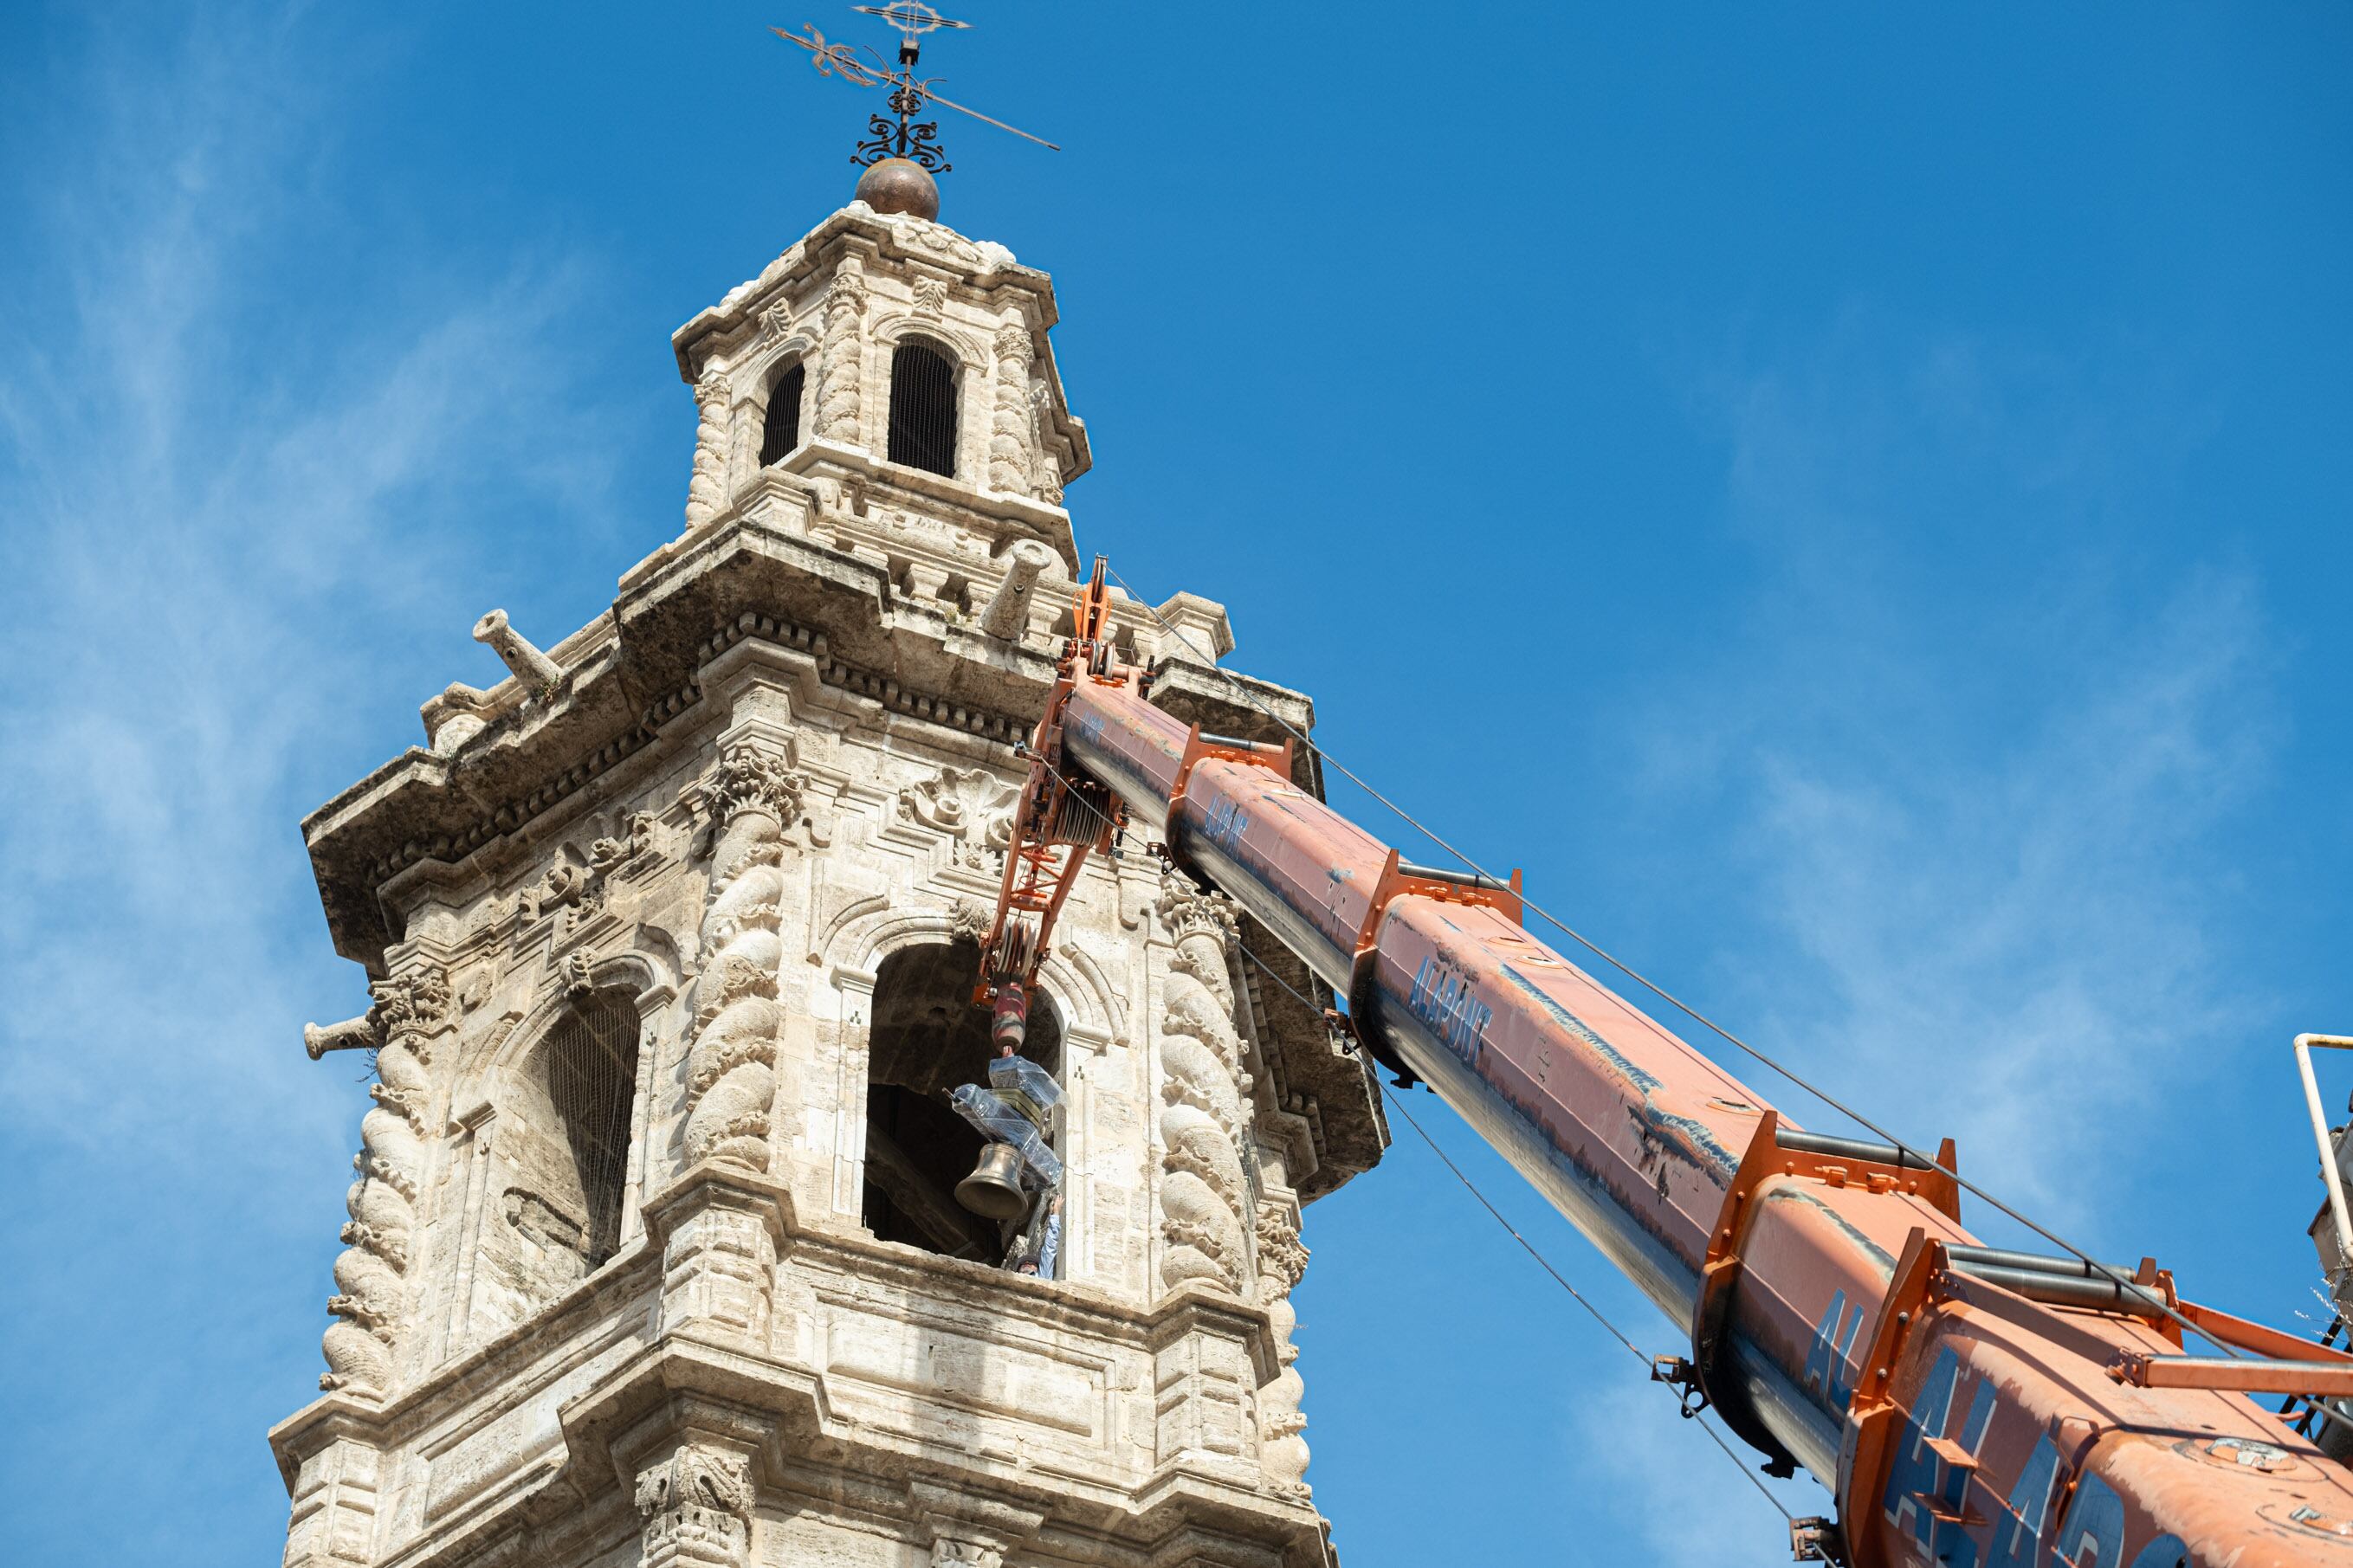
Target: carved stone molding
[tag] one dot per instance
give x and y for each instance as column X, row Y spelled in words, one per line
column 697, row 1509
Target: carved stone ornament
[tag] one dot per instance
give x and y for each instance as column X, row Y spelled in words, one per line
column 931, row 296
column 706, row 490
column 697, row 1509
column 948, row 1554
column 839, row 365
column 414, row 1003
column 1204, row 1194
column 971, row 805
column 777, row 321
column 1013, row 421
column 751, row 777
column 1187, row 910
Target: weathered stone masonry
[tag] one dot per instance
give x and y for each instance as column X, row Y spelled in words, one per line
column 783, row 756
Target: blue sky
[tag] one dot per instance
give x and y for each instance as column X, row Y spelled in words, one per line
column 1852, row 498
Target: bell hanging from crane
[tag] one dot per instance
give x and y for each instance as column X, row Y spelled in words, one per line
column 994, row 1191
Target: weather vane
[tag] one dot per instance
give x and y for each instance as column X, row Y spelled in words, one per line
column 917, row 142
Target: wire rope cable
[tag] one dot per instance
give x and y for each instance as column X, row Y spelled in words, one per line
column 1677, row 1003
column 1615, row 1332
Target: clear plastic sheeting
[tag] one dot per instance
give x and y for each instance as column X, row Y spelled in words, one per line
column 1000, row 1122
column 1027, row 1088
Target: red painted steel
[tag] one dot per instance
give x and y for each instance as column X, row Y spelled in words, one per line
column 1955, row 1422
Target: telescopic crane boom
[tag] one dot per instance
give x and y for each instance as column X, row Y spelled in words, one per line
column 1964, row 1405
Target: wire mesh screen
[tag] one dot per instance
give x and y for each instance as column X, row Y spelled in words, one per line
column 592, row 1075
column 923, row 409
column 780, row 429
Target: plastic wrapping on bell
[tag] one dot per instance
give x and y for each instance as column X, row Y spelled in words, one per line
column 1001, row 1124
column 1027, row 1088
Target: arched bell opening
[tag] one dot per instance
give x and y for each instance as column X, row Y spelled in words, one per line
column 926, row 1038
column 558, row 1170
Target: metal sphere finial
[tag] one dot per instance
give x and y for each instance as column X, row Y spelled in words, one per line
column 899, row 185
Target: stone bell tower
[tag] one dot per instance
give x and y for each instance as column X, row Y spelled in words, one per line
column 655, row 1252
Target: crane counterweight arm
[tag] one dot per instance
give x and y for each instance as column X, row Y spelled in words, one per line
column 1967, row 1406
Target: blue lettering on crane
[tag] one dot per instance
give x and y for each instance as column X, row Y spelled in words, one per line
column 1442, row 999
column 2018, row 1534
column 2094, row 1533
column 1228, row 822
column 1828, row 1358
column 1921, row 1481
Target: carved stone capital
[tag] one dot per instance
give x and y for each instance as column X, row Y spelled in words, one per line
column 697, row 1509
column 1186, row 910
column 1014, row 349
column 412, row 1004
column 749, row 777
column 1281, row 1256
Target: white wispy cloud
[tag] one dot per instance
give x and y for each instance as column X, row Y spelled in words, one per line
column 1973, row 759
column 230, row 481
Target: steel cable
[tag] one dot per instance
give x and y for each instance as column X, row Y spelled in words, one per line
column 1642, row 980
column 1525, row 1245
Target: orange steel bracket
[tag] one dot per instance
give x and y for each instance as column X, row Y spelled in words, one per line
column 1765, row 1158
column 2316, row 1379
column 1395, row 883
column 1874, row 1417
column 1198, row 750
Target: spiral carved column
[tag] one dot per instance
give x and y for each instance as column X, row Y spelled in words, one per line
column 1203, row 1194
column 706, row 491
column 371, row 1277
column 840, row 367
column 1013, row 436
column 751, row 795
column 1282, row 1261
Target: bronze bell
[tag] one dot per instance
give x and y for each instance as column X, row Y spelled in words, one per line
column 993, row 1189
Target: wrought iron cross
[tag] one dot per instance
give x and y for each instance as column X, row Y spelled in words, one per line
column 917, row 141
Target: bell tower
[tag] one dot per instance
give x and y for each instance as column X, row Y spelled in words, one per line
column 656, row 1250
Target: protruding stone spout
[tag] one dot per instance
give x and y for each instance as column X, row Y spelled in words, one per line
column 350, row 1034
column 532, row 667
column 1006, row 614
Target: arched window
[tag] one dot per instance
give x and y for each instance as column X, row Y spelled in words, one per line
column 923, row 408
column 780, row 429
column 592, row 1076
column 926, row 1038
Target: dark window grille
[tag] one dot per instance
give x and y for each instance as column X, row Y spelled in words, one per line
column 592, row 1076
column 780, row 429
column 923, row 409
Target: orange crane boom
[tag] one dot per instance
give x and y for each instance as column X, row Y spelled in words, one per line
column 1966, row 1406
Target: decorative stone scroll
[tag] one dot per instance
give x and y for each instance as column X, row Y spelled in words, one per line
column 697, row 1510
column 1013, row 424
column 751, row 794
column 839, row 366
column 706, row 491
column 370, row 1276
column 971, row 805
column 1203, row 1194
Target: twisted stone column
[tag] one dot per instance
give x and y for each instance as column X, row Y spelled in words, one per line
column 706, row 492
column 1013, row 434
column 751, row 794
column 697, row 1509
column 1282, row 1261
column 371, row 1277
column 841, row 364
column 1203, row 1194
